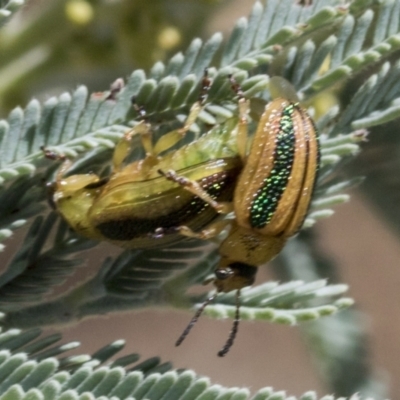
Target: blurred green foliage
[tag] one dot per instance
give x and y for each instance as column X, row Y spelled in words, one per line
column 55, row 45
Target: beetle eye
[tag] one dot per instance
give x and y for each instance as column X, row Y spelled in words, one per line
column 222, row 274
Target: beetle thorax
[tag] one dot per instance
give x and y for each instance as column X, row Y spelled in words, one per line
column 249, row 247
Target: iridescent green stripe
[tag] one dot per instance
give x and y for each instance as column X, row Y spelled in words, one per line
column 270, row 193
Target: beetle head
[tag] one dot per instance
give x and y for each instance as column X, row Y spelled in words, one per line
column 230, row 275
column 233, row 275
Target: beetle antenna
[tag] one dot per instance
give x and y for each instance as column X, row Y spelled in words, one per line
column 234, row 330
column 194, row 319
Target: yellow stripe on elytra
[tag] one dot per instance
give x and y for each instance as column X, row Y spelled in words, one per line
column 292, row 205
column 259, row 162
column 286, row 206
column 310, row 176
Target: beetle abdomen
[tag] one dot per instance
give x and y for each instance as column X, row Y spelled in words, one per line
column 136, row 221
column 128, row 228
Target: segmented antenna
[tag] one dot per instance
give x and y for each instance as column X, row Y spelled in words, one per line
column 234, row 330
column 194, row 319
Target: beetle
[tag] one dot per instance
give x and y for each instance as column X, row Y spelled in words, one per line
column 272, row 194
column 158, row 200
column 137, row 206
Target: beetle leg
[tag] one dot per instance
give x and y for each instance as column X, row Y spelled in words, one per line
column 143, row 128
column 171, row 138
column 73, row 183
column 65, row 166
column 243, row 108
column 212, row 230
column 66, row 162
column 196, row 189
column 124, row 146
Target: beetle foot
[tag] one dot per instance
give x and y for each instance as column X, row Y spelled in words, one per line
column 52, row 155
column 236, row 86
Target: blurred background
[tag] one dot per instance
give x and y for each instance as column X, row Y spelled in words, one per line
column 99, row 41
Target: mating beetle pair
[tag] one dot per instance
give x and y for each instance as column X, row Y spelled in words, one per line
column 158, row 200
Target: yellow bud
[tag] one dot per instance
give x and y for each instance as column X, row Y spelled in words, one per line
column 79, row 12
column 169, row 38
